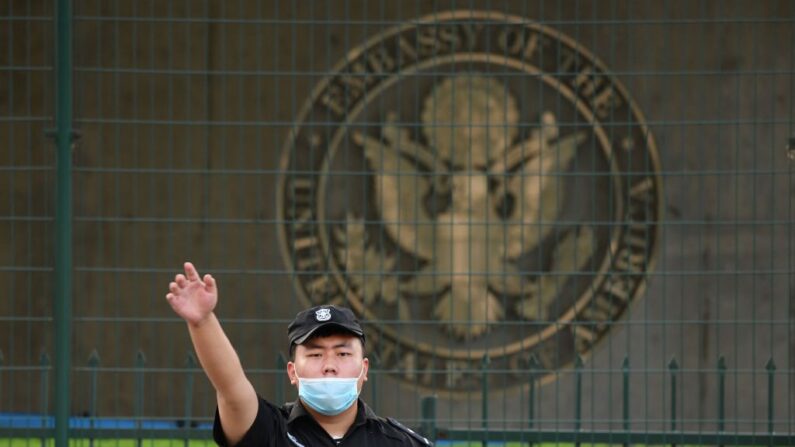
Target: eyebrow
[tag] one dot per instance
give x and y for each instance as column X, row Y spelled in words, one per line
column 311, row 345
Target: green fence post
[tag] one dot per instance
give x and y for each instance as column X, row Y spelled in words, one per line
column 771, row 375
column 281, row 364
column 535, row 367
column 138, row 411
column 1, row 375
column 428, row 424
column 93, row 367
column 375, row 363
column 578, row 365
column 625, row 395
column 190, row 367
column 64, row 135
column 673, row 367
column 44, row 403
column 721, row 394
column 485, row 399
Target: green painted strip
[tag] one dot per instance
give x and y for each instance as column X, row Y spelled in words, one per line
column 64, row 136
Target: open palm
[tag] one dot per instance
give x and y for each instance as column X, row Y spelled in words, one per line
column 192, row 298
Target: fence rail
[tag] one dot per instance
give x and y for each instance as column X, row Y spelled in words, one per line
column 139, row 426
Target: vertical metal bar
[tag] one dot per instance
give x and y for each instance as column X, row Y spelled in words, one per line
column 138, row 411
column 375, row 363
column 44, row 362
column 281, row 365
column 721, row 394
column 11, row 291
column 190, row 367
column 625, row 394
column 790, row 358
column 1, row 375
column 428, row 411
column 771, row 375
column 93, row 366
column 578, row 364
column 63, row 219
column 485, row 399
column 535, row 366
column 673, row 367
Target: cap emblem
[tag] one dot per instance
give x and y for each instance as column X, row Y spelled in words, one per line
column 323, row 314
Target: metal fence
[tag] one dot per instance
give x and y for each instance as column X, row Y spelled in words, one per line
column 561, row 221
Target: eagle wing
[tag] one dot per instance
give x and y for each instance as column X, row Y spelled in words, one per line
column 538, row 191
column 400, row 188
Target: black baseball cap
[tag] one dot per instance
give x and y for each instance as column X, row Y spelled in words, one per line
column 308, row 321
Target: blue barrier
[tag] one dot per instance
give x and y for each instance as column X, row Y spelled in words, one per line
column 23, row 420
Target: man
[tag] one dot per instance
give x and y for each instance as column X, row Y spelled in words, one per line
column 327, row 366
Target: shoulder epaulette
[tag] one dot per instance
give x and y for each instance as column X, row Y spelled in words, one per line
column 393, row 422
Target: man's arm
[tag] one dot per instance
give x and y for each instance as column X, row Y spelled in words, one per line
column 194, row 300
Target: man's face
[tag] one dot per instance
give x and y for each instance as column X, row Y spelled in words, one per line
column 339, row 356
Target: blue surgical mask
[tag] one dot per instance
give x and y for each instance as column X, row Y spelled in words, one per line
column 329, row 395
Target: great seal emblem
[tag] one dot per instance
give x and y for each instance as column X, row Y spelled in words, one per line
column 478, row 185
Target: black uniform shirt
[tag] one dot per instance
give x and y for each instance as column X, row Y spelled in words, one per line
column 291, row 425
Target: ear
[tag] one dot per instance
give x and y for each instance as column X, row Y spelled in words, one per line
column 365, row 367
column 291, row 373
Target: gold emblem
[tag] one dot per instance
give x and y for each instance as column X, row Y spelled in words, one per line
column 466, row 182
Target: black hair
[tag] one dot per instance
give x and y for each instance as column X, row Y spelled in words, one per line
column 327, row 331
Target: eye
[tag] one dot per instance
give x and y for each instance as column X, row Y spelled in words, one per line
column 345, row 354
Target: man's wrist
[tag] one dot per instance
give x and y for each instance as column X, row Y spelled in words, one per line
column 202, row 322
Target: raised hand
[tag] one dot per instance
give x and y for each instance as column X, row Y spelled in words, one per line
column 191, row 297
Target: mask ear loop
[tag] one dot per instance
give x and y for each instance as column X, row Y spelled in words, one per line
column 361, row 373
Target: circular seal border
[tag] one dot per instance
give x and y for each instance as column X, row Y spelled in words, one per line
column 496, row 17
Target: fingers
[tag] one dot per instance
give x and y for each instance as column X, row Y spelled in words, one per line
column 190, row 272
column 172, row 300
column 209, row 282
column 182, row 283
column 181, row 280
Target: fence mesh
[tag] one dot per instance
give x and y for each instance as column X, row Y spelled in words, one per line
column 553, row 216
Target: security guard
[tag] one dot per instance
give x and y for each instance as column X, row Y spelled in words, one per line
column 327, row 366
